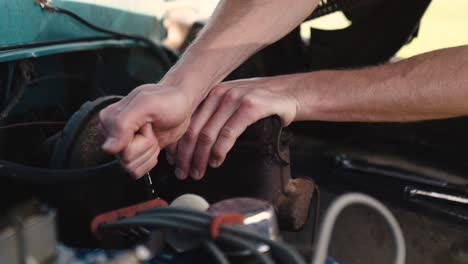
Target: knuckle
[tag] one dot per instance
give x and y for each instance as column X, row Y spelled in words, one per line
column 119, row 124
column 231, row 96
column 227, row 133
column 144, row 94
column 205, row 137
column 249, row 102
column 125, row 157
column 218, row 90
column 190, row 135
column 108, row 112
column 103, row 115
column 218, row 153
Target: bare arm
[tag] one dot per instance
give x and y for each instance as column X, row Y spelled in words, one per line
column 236, row 30
column 155, row 115
column 429, row 86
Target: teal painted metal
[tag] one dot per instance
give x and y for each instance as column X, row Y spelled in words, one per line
column 22, row 21
column 64, row 48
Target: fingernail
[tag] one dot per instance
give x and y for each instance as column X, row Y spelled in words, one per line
column 179, row 174
column 169, row 158
column 214, row 163
column 109, row 143
column 195, row 174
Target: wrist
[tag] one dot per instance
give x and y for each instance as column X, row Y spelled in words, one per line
column 194, row 76
column 311, row 92
column 191, row 87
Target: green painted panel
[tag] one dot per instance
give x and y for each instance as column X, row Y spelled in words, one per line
column 64, row 48
column 22, row 21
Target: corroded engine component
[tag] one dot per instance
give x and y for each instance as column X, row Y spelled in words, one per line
column 257, row 166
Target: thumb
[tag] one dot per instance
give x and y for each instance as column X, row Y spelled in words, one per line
column 114, row 145
column 147, row 131
column 118, row 136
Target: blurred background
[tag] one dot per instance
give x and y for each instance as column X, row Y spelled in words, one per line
column 444, row 24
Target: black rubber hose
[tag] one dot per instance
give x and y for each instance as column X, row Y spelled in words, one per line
column 38, row 175
column 215, row 252
column 28, row 45
column 155, row 47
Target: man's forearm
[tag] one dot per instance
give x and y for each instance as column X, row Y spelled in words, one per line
column 237, row 29
column 429, row 86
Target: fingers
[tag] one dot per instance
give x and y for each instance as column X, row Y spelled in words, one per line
column 237, row 110
column 211, row 130
column 141, row 142
column 186, row 145
column 118, row 131
column 171, row 151
column 166, row 108
column 139, row 154
column 120, row 121
column 228, row 135
column 144, row 163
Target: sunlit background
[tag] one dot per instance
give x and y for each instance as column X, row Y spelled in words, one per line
column 445, row 24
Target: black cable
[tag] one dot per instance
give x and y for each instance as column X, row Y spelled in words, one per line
column 251, row 247
column 26, row 83
column 49, row 43
column 201, row 222
column 203, row 217
column 13, row 101
column 169, row 217
column 32, row 123
column 155, row 47
column 215, row 252
column 30, row 174
column 198, row 231
column 44, row 78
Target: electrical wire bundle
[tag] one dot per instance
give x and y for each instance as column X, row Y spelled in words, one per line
column 197, row 223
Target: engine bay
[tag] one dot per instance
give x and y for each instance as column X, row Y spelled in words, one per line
column 56, row 181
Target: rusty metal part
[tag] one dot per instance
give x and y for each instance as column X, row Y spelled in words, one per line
column 258, row 167
column 293, row 204
column 80, row 142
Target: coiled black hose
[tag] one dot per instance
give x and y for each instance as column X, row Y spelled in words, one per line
column 31, row 174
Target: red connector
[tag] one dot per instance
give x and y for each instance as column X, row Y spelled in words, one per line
column 125, row 212
column 224, row 219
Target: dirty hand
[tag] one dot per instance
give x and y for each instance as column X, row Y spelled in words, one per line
column 146, row 120
column 227, row 111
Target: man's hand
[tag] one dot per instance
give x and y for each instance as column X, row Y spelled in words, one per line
column 148, row 119
column 227, row 111
column 235, row 31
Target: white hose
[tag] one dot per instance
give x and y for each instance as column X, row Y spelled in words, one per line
column 335, row 209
